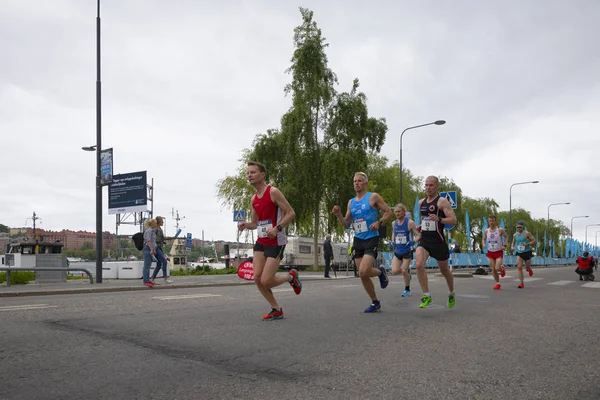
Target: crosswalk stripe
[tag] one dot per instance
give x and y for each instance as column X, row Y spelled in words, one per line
column 528, row 279
column 26, row 307
column 560, row 283
column 593, row 285
column 186, row 296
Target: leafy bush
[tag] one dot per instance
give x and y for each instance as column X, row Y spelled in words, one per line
column 203, row 270
column 18, row 277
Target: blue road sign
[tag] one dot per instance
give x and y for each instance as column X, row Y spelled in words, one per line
column 451, row 197
column 239, row 216
column 188, row 241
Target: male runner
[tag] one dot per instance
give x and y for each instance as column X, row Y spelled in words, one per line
column 362, row 215
column 496, row 239
column 435, row 212
column 271, row 213
column 523, row 240
column 403, row 245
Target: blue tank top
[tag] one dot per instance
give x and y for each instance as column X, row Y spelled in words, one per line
column 401, row 237
column 521, row 243
column 363, row 215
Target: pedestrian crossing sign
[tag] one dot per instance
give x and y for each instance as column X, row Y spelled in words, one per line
column 451, row 197
column 239, row 216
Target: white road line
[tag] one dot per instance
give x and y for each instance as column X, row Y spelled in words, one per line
column 593, row 285
column 491, row 277
column 560, row 283
column 26, row 307
column 529, row 279
column 282, row 290
column 186, row 296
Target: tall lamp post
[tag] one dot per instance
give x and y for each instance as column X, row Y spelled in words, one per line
column 580, row 216
column 548, row 226
column 586, row 234
column 98, row 148
column 439, row 122
column 510, row 204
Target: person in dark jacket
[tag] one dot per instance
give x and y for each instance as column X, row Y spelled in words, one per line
column 328, row 254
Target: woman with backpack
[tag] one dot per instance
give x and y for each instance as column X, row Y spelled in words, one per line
column 149, row 249
column 161, row 261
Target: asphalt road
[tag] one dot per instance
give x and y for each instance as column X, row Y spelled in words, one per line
column 210, row 343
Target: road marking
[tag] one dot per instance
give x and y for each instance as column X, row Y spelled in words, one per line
column 282, row 290
column 528, row 279
column 593, row 285
column 560, row 283
column 491, row 277
column 344, row 286
column 186, row 296
column 26, row 307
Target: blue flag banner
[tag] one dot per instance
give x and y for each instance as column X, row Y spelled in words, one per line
column 468, row 226
column 502, row 223
column 417, row 212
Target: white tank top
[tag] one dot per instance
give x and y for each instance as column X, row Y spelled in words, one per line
column 494, row 240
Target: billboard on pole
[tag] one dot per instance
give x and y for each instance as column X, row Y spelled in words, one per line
column 128, row 193
column 106, row 167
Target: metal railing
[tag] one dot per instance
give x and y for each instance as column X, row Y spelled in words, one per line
column 9, row 270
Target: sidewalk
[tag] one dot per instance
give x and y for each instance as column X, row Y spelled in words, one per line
column 77, row 286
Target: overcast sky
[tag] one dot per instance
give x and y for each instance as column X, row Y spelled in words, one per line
column 188, row 84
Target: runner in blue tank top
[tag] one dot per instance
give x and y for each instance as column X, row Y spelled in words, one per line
column 435, row 212
column 362, row 216
column 522, row 242
column 403, row 245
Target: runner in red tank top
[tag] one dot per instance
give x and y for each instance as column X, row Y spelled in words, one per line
column 271, row 213
column 495, row 239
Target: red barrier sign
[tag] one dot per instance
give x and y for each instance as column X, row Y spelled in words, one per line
column 246, row 271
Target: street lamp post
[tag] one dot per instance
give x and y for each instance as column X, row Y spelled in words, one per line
column 548, row 226
column 597, row 232
column 439, row 122
column 510, row 204
column 585, row 244
column 580, row 216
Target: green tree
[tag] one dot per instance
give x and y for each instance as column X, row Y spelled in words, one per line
column 87, row 246
column 4, row 228
column 325, row 137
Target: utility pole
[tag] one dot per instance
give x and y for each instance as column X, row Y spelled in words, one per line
column 34, row 218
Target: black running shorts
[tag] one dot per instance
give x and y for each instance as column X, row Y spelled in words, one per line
column 270, row 251
column 439, row 251
column 365, row 247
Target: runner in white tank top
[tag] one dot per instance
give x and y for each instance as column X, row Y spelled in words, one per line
column 495, row 239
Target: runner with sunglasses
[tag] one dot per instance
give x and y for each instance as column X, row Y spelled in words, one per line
column 523, row 241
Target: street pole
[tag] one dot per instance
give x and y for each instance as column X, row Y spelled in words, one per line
column 98, row 151
column 510, row 205
column 580, row 216
column 439, row 122
column 585, row 243
column 546, row 244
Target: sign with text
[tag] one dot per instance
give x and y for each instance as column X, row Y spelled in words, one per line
column 188, row 241
column 128, row 193
column 246, row 271
column 106, row 167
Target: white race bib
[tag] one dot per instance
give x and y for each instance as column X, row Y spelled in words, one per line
column 521, row 247
column 401, row 239
column 263, row 227
column 360, row 225
column 494, row 246
column 428, row 225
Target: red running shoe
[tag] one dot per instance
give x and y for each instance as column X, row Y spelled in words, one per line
column 521, row 286
column 497, row 286
column 295, row 282
column 530, row 272
column 149, row 284
column 502, row 271
column 274, row 314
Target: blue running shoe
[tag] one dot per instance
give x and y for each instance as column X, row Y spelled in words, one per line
column 383, row 278
column 406, row 293
column 375, row 306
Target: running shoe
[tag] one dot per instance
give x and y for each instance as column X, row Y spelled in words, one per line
column 383, row 278
column 451, row 300
column 295, row 282
column 168, row 280
column 375, row 306
column 425, row 301
column 406, row 293
column 502, row 272
column 149, row 284
column 530, row 272
column 521, row 286
column 497, row 286
column 274, row 314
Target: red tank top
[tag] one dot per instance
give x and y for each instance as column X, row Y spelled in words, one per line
column 269, row 215
column 584, row 263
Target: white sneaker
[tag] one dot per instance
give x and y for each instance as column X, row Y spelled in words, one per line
column 168, row 280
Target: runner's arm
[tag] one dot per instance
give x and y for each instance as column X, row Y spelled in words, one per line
column 505, row 236
column 483, row 238
column 512, row 246
column 347, row 220
column 281, row 202
column 530, row 237
column 450, row 216
column 412, row 226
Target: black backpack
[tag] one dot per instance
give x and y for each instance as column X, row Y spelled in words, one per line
column 138, row 240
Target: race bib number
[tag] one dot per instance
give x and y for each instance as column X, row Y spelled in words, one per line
column 401, row 239
column 263, row 227
column 360, row 225
column 428, row 225
column 521, row 247
column 494, row 246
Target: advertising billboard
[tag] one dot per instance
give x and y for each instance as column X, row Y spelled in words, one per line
column 106, row 167
column 128, row 193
